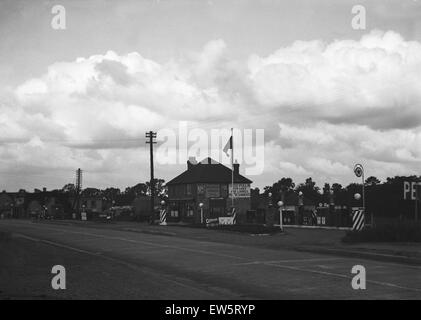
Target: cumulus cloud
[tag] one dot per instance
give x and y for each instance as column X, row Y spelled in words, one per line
column 323, row 106
column 373, row 81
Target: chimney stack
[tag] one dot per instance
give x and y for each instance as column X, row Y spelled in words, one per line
column 191, row 162
column 236, row 168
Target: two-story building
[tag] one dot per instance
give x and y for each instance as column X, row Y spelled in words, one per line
column 209, row 183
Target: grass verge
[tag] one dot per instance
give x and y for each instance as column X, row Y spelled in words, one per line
column 404, row 231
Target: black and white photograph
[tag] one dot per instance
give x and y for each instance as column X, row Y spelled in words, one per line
column 210, row 154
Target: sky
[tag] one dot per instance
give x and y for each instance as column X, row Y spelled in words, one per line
column 326, row 94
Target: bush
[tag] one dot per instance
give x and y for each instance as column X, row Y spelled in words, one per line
column 396, row 232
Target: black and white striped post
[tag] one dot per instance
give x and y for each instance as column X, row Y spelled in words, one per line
column 234, row 215
column 358, row 219
column 163, row 214
column 359, row 172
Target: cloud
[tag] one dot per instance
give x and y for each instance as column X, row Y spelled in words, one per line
column 374, row 81
column 323, row 106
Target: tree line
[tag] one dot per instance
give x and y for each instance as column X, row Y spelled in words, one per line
column 117, row 196
column 382, row 198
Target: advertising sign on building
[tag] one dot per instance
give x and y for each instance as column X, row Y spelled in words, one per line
column 212, row 222
column 212, row 191
column 226, row 220
column 201, row 189
column 241, row 190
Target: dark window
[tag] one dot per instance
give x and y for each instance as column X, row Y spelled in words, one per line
column 188, row 189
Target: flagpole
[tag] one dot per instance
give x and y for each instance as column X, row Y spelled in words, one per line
column 232, row 168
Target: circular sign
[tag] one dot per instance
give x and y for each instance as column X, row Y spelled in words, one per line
column 358, row 170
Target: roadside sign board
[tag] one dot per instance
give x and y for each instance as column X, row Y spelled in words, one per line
column 226, row 220
column 212, row 222
column 411, row 190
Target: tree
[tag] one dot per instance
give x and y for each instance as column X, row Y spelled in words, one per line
column 280, row 189
column 130, row 193
column 340, row 194
column 91, row 192
column 372, row 180
column 285, row 184
column 69, row 188
column 354, row 188
column 310, row 190
column 160, row 188
column 337, row 188
column 112, row 194
column 400, row 179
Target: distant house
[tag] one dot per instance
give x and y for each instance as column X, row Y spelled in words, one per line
column 35, row 208
column 6, row 205
column 207, row 182
column 22, row 204
column 95, row 204
column 142, row 207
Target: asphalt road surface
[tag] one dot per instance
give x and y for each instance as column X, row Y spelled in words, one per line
column 102, row 263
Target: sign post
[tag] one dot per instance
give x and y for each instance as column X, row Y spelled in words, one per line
column 417, row 198
column 201, row 213
column 163, row 214
column 280, row 204
column 359, row 172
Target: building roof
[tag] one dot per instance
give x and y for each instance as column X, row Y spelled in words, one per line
column 208, row 171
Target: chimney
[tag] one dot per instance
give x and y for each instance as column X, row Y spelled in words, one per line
column 236, row 168
column 209, row 161
column 191, row 162
column 44, row 189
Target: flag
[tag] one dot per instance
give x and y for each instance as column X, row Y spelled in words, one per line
column 228, row 146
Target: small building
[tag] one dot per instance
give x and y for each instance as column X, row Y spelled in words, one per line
column 35, row 208
column 94, row 204
column 142, row 207
column 210, row 183
column 6, row 205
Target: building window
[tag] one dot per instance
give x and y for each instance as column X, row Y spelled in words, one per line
column 224, row 190
column 174, row 213
column 201, row 189
column 188, row 189
column 180, row 190
column 93, row 203
column 190, row 212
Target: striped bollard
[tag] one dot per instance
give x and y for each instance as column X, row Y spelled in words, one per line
column 234, row 216
column 163, row 217
column 358, row 219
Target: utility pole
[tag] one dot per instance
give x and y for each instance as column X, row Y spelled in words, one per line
column 417, row 198
column 78, row 188
column 151, row 136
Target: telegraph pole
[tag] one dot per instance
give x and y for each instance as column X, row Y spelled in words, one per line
column 78, row 188
column 151, row 136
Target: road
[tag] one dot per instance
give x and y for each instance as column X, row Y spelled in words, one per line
column 102, row 263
